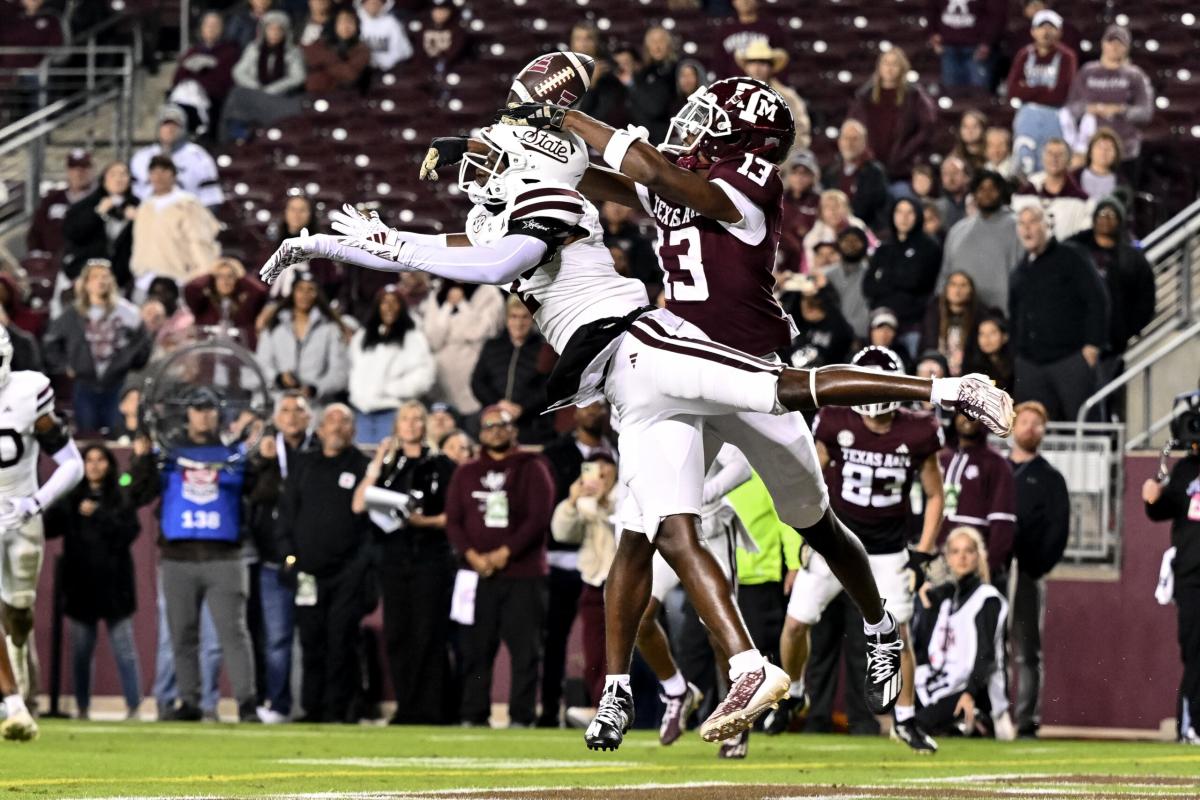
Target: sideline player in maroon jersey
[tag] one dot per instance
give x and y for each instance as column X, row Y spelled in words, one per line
column 871, row 455
column 715, row 193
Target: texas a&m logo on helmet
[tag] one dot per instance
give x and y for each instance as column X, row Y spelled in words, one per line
column 731, row 117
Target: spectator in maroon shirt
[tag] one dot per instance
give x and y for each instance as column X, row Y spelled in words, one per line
column 856, row 172
column 442, row 39
column 980, row 492
column 898, row 115
column 209, row 65
column 32, row 28
column 225, row 297
column 801, row 205
column 45, row 234
column 737, row 34
column 498, row 511
column 1040, row 79
column 966, row 34
column 338, row 61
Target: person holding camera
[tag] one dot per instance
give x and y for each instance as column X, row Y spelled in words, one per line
column 1178, row 500
column 415, row 556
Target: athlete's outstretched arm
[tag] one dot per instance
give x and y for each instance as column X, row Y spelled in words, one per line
column 604, row 185
column 642, row 163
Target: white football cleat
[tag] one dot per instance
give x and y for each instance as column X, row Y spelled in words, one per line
column 19, row 727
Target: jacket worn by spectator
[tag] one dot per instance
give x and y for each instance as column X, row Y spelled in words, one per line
column 800, row 213
column 210, row 67
column 385, row 36
column 389, row 373
column 316, row 523
column 509, row 372
column 456, row 333
column 1127, row 85
column 587, row 523
column 256, row 69
column 24, row 30
column 508, row 502
column 902, row 275
column 1127, row 275
column 1057, row 305
column 1042, row 79
column 864, row 183
column 238, row 310
column 47, row 230
column 195, row 171
column 335, row 65
column 980, row 493
column 1179, row 498
column 24, row 326
column 651, row 97
column 100, row 350
column 968, row 22
column 318, row 360
column 97, row 566
column 822, row 341
column 1043, row 516
column 89, row 234
column 266, row 480
column 1070, row 208
column 898, row 133
column 174, row 236
column 426, row 477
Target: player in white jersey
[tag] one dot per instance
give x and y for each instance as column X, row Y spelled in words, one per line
column 27, row 426
column 661, row 375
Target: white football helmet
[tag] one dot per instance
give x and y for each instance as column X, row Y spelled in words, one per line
column 880, row 359
column 516, row 155
column 6, row 356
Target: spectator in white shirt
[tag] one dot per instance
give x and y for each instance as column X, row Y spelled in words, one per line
column 383, row 33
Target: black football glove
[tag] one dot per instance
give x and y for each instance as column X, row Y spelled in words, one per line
column 444, row 151
column 533, row 115
column 916, row 568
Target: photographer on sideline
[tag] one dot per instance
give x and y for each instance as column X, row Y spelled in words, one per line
column 415, row 556
column 1178, row 500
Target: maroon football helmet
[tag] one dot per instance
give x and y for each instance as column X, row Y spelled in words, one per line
column 880, row 359
column 732, row 117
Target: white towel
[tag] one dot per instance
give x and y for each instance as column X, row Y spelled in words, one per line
column 1165, row 590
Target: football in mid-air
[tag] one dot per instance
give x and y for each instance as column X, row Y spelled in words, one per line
column 560, row 78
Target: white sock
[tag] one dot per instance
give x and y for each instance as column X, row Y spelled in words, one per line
column 620, row 680
column 905, row 713
column 796, row 690
column 674, row 685
column 743, row 662
column 14, row 704
column 885, row 625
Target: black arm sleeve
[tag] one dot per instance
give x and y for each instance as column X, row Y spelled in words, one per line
column 986, row 622
column 54, row 439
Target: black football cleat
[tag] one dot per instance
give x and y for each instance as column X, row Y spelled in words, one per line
column 612, row 720
column 912, row 735
column 883, row 669
column 778, row 720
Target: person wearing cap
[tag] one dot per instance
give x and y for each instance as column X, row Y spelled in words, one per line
column 268, row 80
column 903, row 274
column 1128, row 276
column 195, row 169
column 204, row 75
column 856, row 172
column 847, row 279
column 174, row 235
column 101, row 226
column 899, row 116
column 201, row 484
column 498, row 512
column 1040, row 78
column 1111, row 92
column 45, row 233
column 801, row 205
column 763, row 62
column 883, row 333
column 97, row 341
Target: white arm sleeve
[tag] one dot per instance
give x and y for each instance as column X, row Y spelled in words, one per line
column 729, row 471
column 498, row 264
column 752, row 228
column 64, row 478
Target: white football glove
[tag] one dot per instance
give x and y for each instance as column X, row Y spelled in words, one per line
column 353, row 223
column 18, row 511
column 292, row 252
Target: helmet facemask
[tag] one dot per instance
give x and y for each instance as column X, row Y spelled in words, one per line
column 699, row 118
column 497, row 165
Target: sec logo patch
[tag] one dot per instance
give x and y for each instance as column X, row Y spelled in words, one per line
column 845, row 439
column 346, row 480
column 972, row 472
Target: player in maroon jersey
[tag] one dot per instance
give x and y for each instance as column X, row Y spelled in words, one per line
column 715, row 193
column 871, row 455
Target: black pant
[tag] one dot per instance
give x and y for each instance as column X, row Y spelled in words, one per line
column 564, row 587
column 416, row 623
column 1187, row 599
column 1062, row 386
column 508, row 610
column 1028, row 614
column 329, row 643
column 840, row 630
column 763, row 606
column 938, row 719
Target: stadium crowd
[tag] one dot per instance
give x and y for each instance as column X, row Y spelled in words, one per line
column 1012, row 254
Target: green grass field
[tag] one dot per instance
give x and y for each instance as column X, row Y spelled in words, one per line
column 144, row 760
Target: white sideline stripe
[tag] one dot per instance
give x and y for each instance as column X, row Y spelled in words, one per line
column 453, row 762
column 999, row 776
column 219, row 729
column 432, row 793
